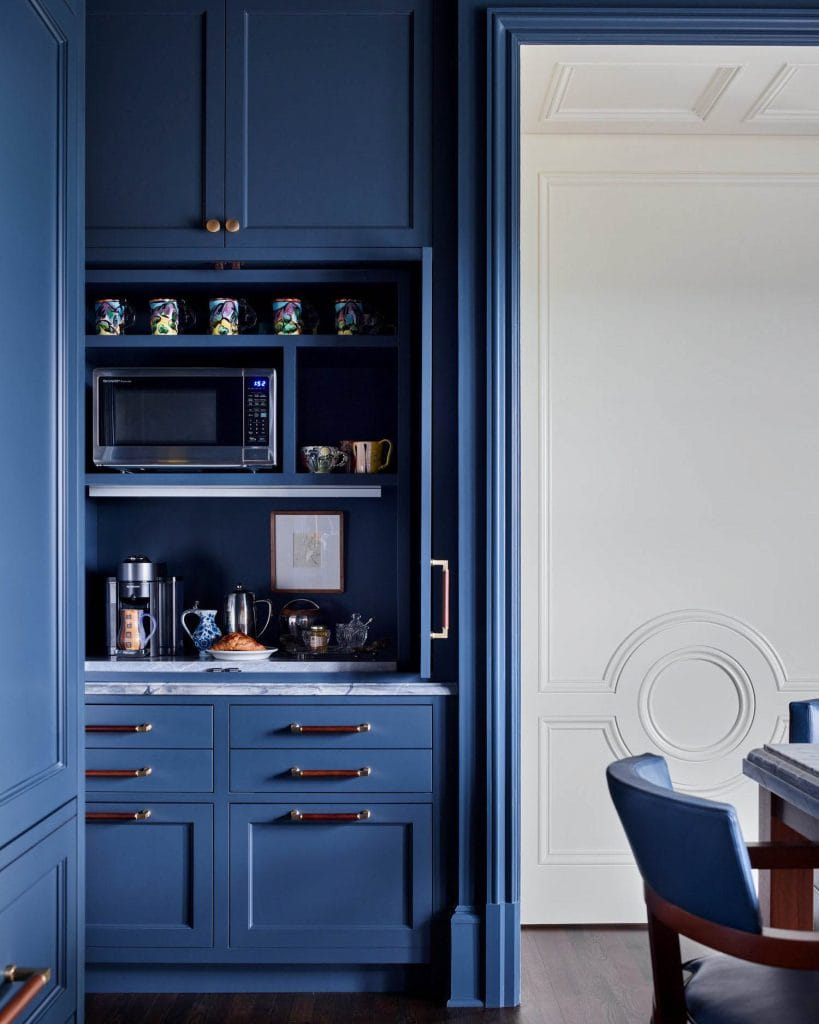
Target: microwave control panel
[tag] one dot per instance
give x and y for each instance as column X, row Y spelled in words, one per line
column 258, row 409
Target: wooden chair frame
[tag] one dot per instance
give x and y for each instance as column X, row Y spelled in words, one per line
column 775, row 947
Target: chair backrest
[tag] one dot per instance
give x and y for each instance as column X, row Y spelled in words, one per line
column 804, row 727
column 689, row 851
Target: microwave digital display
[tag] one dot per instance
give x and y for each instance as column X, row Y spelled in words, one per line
column 198, row 418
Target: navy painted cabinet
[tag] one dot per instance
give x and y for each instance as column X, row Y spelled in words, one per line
column 40, row 85
column 217, row 124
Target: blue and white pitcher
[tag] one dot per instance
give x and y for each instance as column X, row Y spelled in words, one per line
column 206, row 632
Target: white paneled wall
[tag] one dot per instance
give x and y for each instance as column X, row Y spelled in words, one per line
column 670, row 474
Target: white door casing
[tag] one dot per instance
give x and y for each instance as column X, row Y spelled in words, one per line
column 670, row 482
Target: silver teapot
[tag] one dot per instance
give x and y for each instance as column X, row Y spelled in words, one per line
column 239, row 615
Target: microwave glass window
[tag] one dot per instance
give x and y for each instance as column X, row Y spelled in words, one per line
column 165, row 417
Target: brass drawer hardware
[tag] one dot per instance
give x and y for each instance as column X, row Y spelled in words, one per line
column 35, row 980
column 232, row 225
column 305, row 729
column 118, row 773
column 330, row 773
column 145, row 727
column 297, row 815
column 444, row 564
column 116, row 816
column 213, row 225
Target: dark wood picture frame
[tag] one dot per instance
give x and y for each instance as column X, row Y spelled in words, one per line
column 308, row 586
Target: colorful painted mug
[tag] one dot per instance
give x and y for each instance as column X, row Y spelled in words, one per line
column 368, row 456
column 112, row 316
column 229, row 316
column 287, row 316
column 349, row 314
column 169, row 316
column 322, row 458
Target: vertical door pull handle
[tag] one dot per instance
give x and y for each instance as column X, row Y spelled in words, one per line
column 444, row 632
column 35, row 980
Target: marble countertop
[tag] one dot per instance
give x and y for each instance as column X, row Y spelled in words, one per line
column 217, row 687
column 284, row 677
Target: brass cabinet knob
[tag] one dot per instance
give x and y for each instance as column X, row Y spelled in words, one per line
column 213, row 225
column 232, row 225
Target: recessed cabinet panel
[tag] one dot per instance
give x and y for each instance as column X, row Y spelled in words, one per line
column 37, row 913
column 328, row 147
column 160, row 771
column 148, row 726
column 149, row 883
column 339, row 726
column 294, row 771
column 362, row 884
column 154, row 121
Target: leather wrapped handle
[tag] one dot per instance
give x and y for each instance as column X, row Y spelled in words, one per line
column 117, row 815
column 305, row 729
column 297, row 815
column 118, row 773
column 144, row 727
column 330, row 773
column 35, row 980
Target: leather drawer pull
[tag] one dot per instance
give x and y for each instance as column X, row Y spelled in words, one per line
column 296, row 727
column 118, row 773
column 117, row 815
column 144, row 727
column 297, row 815
column 35, row 979
column 330, row 773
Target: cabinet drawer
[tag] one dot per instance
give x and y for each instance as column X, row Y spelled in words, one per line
column 165, row 771
column 359, row 885
column 378, row 726
column 38, row 895
column 150, row 881
column 377, row 771
column 186, row 727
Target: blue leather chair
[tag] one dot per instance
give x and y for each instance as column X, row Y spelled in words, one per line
column 698, row 882
column 804, row 725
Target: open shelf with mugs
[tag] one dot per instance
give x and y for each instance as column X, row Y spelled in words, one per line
column 175, row 473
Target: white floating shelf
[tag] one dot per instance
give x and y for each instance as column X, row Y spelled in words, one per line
column 229, row 491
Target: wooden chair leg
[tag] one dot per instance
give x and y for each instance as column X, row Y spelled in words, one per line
column 666, row 968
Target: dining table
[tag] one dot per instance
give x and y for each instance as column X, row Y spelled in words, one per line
column 788, row 779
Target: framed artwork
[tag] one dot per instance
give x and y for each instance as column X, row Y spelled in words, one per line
column 307, row 551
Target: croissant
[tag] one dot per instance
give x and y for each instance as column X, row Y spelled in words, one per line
column 237, row 642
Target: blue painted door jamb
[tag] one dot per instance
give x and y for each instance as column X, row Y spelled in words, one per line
column 791, row 23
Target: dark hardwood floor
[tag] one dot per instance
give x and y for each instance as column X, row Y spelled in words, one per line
column 569, row 976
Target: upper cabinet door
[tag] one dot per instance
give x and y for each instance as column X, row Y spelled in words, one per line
column 328, row 123
column 40, row 109
column 155, row 123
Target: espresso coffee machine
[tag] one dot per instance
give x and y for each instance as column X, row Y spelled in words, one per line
column 143, row 589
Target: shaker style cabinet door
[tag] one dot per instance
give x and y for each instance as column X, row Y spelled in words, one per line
column 328, row 123
column 155, row 123
column 39, row 111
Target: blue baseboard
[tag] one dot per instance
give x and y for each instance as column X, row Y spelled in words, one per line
column 188, row 978
column 465, row 967
column 503, row 954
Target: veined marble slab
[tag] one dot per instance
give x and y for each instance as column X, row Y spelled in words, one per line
column 173, row 666
column 216, row 687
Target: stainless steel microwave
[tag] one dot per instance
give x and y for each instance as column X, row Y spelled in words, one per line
column 202, row 418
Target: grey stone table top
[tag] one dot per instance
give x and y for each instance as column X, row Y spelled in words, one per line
column 790, row 770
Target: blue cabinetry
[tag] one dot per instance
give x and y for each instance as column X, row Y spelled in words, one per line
column 40, row 122
column 227, row 125
column 334, row 867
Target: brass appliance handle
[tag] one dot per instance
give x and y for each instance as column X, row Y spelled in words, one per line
column 213, row 225
column 118, row 773
column 297, row 815
column 116, row 816
column 444, row 633
column 330, row 773
column 304, row 729
column 145, row 727
column 35, row 979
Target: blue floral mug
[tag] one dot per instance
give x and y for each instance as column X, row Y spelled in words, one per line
column 112, row 316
